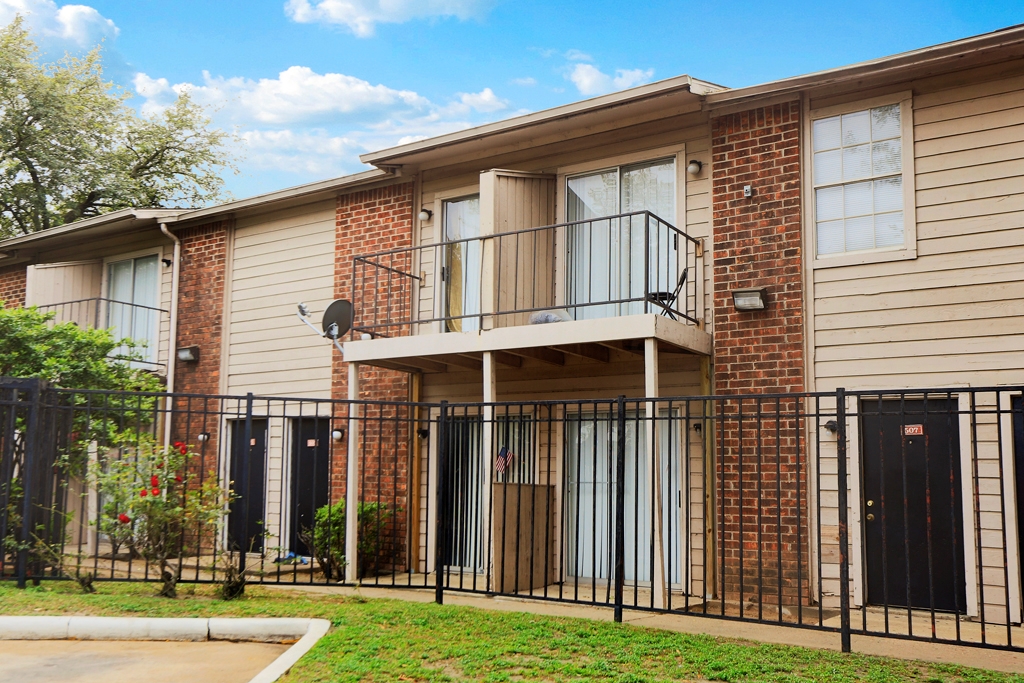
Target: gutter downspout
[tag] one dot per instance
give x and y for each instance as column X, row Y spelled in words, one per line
column 172, row 355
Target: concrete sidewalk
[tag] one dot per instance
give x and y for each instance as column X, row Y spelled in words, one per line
column 78, row 661
column 982, row 658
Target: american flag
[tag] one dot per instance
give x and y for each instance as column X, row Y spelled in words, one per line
column 504, row 459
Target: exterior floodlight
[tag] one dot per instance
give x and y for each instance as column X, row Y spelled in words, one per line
column 425, row 214
column 693, row 168
column 203, row 436
column 188, row 354
column 754, row 299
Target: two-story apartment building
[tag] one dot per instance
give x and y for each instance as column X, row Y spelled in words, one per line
column 861, row 227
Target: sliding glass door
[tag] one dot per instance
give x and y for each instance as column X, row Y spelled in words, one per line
column 462, row 268
column 133, row 288
column 607, row 257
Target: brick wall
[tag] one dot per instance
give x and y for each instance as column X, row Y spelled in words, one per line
column 757, row 243
column 12, row 286
column 200, row 323
column 367, row 222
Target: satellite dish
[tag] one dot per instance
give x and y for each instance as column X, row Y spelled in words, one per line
column 338, row 318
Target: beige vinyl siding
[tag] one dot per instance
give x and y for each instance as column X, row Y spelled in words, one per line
column 955, row 314
column 54, row 283
column 280, row 259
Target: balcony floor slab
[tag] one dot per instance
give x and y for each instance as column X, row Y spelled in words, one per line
column 545, row 342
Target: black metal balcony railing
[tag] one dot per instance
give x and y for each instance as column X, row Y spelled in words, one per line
column 125, row 320
column 595, row 268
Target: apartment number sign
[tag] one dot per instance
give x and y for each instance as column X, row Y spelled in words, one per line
column 913, row 430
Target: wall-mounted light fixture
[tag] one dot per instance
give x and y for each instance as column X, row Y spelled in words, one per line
column 337, row 434
column 693, row 168
column 425, row 214
column 753, row 299
column 203, row 436
column 423, row 432
column 188, row 354
column 167, row 262
column 831, row 426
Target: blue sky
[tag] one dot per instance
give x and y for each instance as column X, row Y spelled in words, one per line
column 308, row 85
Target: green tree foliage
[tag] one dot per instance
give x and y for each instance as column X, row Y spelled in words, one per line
column 67, row 355
column 71, row 147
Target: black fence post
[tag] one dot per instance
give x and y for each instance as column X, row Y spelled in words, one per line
column 440, row 537
column 620, row 504
column 843, row 502
column 29, row 466
column 243, row 522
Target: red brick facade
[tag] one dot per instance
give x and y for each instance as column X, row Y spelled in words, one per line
column 367, row 222
column 200, row 323
column 201, row 305
column 12, row 286
column 762, row 522
column 757, row 244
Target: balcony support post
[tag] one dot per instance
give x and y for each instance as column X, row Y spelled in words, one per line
column 490, row 394
column 659, row 586
column 352, row 479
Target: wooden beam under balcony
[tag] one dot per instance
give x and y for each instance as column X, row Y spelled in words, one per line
column 508, row 359
column 588, row 351
column 541, row 353
column 461, row 361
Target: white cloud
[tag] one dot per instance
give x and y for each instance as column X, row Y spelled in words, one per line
column 526, row 81
column 63, row 28
column 298, row 94
column 590, row 80
column 307, row 125
column 484, row 101
column 578, row 56
column 362, row 16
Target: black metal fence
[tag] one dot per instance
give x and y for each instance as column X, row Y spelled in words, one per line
column 889, row 513
column 608, row 266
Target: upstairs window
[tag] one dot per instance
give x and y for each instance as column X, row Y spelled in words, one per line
column 858, row 181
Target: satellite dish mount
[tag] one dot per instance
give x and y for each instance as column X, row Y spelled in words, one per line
column 337, row 321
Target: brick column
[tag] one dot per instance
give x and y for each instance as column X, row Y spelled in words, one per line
column 368, row 222
column 761, row 463
column 12, row 286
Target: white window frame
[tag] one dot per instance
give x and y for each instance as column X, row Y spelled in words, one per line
column 906, row 251
column 158, row 349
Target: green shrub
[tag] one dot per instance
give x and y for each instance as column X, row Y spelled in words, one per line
column 327, row 539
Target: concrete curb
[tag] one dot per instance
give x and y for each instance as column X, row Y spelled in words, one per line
column 304, row 633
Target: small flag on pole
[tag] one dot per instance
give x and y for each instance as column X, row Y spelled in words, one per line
column 504, row 459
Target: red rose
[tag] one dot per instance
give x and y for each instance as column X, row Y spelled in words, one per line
column 178, row 444
column 159, row 465
column 124, row 519
column 143, row 493
column 183, row 449
column 178, row 479
column 153, row 481
column 156, row 491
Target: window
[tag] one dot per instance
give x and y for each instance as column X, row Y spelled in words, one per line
column 858, row 181
column 133, row 288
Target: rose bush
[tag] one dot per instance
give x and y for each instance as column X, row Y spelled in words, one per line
column 155, row 504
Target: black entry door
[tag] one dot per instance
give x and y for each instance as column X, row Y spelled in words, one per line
column 310, row 476
column 248, row 476
column 912, row 515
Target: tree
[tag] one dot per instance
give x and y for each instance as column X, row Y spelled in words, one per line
column 71, row 147
column 67, row 355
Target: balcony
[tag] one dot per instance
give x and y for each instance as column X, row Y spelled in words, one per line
column 569, row 288
column 143, row 324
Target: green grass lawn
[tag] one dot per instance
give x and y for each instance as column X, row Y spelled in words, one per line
column 390, row 640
